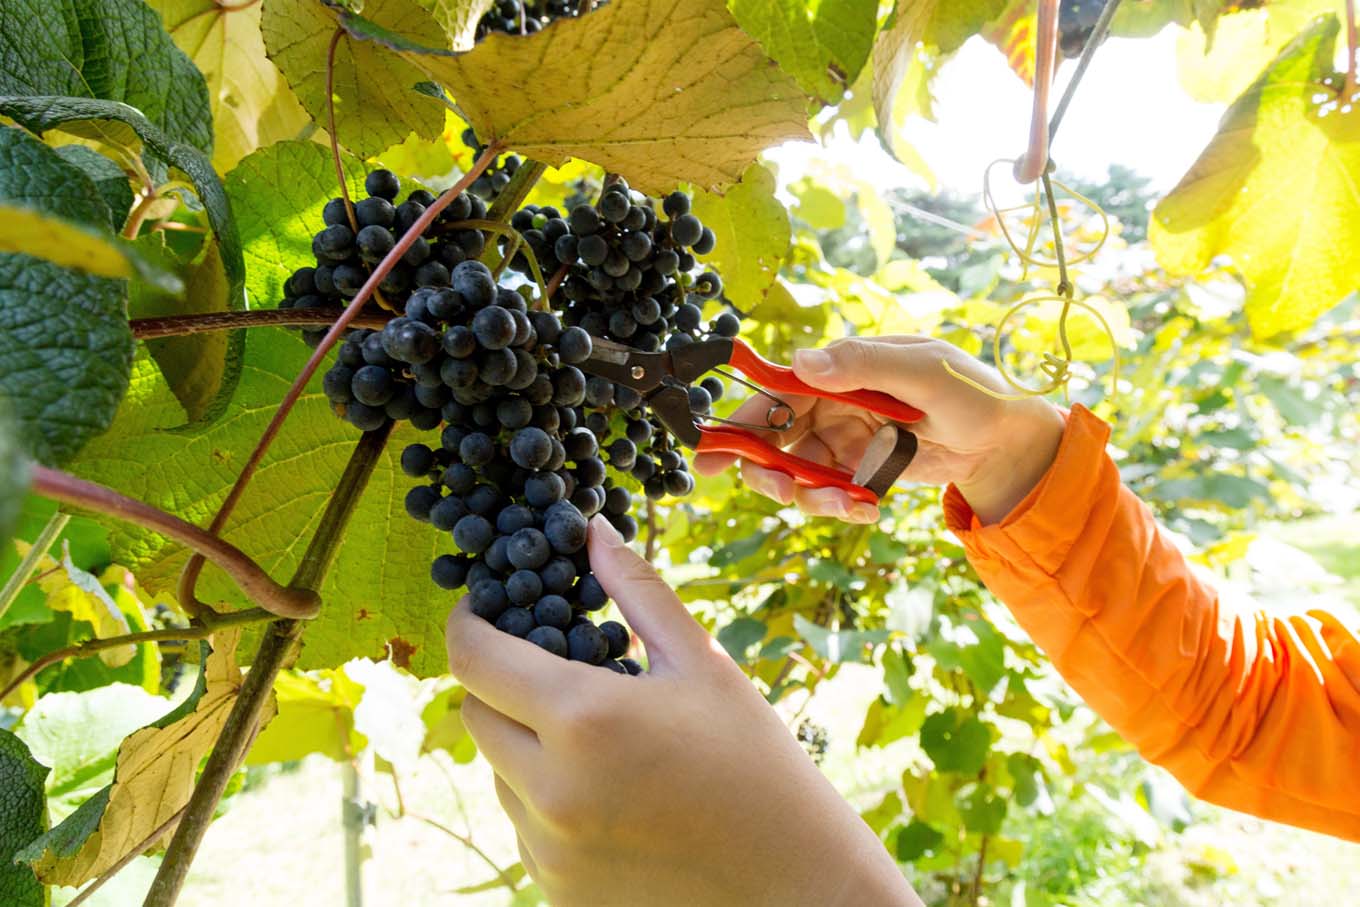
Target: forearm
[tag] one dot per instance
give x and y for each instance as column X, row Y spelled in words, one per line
column 1254, row 712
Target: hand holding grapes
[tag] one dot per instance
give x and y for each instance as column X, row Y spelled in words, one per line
column 994, row 450
column 677, row 787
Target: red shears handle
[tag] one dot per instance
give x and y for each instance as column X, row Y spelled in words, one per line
column 780, row 379
column 722, row 439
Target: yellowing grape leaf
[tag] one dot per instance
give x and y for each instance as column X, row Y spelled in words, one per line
column 375, row 104
column 660, row 92
column 458, row 18
column 152, row 780
column 1013, row 33
column 753, row 234
column 74, row 245
column 70, row 589
column 822, row 45
column 1278, row 190
column 251, row 104
column 316, row 715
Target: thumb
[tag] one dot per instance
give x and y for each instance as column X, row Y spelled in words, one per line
column 650, row 606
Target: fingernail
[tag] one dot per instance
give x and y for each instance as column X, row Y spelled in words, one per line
column 605, row 530
column 864, row 513
column 812, row 362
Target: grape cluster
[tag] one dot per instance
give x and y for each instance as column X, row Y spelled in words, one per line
column 345, row 256
column 495, row 177
column 631, row 279
column 524, row 17
column 814, row 739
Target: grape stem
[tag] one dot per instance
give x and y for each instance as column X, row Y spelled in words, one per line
column 189, row 578
column 253, row 581
column 180, row 325
column 277, row 649
column 200, row 628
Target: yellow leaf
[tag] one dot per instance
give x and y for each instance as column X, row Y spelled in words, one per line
column 375, row 106
column 895, row 57
column 459, row 19
column 821, row 208
column 661, row 92
column 315, row 715
column 70, row 589
column 1278, row 190
column 153, row 778
column 252, row 106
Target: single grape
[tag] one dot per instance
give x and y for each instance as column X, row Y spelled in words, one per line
column 616, row 634
column 473, row 533
column 591, row 594
column 686, row 230
column 446, row 514
column 494, row 327
column 549, row 639
column 524, row 587
column 516, row 621
column 375, row 212
column 586, row 643
column 417, row 460
column 449, row 571
column 488, row 599
column 529, row 549
column 383, row 184
column 419, row 501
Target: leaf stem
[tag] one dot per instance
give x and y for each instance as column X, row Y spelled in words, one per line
column 469, row 844
column 254, row 582
column 139, row 214
column 179, row 325
column 200, row 629
column 189, row 579
column 277, row 648
column 330, row 128
column 29, row 564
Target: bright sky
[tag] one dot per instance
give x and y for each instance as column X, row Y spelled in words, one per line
column 1129, row 109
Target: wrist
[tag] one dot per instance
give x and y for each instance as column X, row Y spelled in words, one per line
column 1033, row 430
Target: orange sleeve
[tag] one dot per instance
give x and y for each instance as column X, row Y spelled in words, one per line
column 1255, row 711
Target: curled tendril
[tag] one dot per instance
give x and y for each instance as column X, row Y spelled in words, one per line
column 1026, row 255
column 1058, row 369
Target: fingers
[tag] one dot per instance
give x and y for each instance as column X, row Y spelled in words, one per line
column 650, row 606
column 772, row 483
column 512, row 749
column 514, row 677
column 756, row 410
column 908, row 368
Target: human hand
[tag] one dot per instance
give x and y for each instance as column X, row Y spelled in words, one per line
column 995, row 450
column 680, row 786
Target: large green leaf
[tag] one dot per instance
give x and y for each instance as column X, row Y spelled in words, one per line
column 1276, row 189
column 821, row 43
column 107, row 177
column 663, row 93
column 252, row 105
column 753, row 233
column 110, row 49
column 375, row 106
column 65, row 346
column 42, row 113
column 956, row 741
column 23, row 817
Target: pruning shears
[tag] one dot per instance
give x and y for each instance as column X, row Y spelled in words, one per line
column 663, row 380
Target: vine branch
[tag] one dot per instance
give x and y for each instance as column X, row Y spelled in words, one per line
column 180, row 325
column 250, row 576
column 276, row 649
column 125, row 859
column 189, row 578
column 469, row 844
column 41, row 545
column 200, row 629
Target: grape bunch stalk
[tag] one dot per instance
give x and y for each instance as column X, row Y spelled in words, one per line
column 525, row 439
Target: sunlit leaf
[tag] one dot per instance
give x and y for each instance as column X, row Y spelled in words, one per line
column 956, row 741
column 661, row 93
column 822, row 45
column 752, row 230
column 1276, row 191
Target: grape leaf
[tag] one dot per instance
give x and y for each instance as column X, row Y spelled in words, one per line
column 375, row 105
column 251, row 103
column 822, row 45
column 662, row 93
column 79, row 592
column 110, row 49
column 42, row 113
column 278, row 194
column 916, row 840
column 153, row 778
column 1276, row 190
column 316, row 715
column 107, row 177
column 77, row 735
column 1013, row 33
column 458, row 18
column 753, row 235
column 74, row 245
column 65, row 346
column 956, row 741
column 23, row 817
